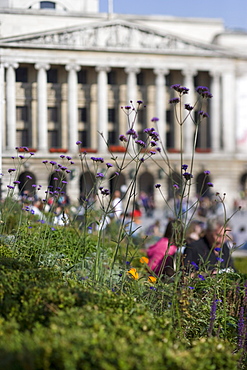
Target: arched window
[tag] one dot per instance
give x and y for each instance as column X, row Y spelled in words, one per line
column 47, row 5
column 87, row 187
column 146, row 183
column 174, row 184
column 202, row 188
column 58, row 183
column 117, row 183
column 27, row 186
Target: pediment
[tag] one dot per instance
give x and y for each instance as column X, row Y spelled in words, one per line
column 113, row 36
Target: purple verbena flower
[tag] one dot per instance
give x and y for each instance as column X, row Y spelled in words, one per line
column 210, row 184
column 123, row 138
column 184, row 167
column 157, row 186
column 11, row 170
column 204, row 92
column 180, row 89
column 132, row 133
column 220, row 259
column 100, row 174
column 188, row 107
column 174, row 101
column 53, row 163
column 78, row 142
column 141, row 143
column 109, row 165
column 154, row 119
column 196, row 267
column 201, row 277
column 187, row 176
column 98, row 159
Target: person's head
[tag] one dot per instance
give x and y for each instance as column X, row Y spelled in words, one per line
column 174, row 231
column 116, row 194
column 215, row 232
column 194, row 229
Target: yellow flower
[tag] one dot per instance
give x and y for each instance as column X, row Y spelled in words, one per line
column 133, row 273
column 144, row 260
column 152, row 279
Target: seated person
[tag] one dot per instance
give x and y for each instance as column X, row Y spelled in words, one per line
column 210, row 252
column 161, row 253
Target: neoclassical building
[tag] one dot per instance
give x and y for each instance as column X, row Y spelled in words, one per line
column 66, row 69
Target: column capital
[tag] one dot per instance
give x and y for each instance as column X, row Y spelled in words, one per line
column 132, row 70
column 161, row 71
column 11, row 64
column 189, row 71
column 45, row 66
column 102, row 69
column 214, row 73
column 72, row 67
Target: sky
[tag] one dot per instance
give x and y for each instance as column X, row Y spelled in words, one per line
column 232, row 12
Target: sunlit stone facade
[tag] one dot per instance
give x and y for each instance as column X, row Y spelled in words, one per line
column 66, row 70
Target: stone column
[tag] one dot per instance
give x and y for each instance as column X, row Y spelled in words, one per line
column 131, row 84
column 160, row 102
column 1, row 116
column 189, row 99
column 42, row 106
column 228, row 114
column 72, row 106
column 215, row 115
column 102, row 95
column 11, row 105
column 131, row 98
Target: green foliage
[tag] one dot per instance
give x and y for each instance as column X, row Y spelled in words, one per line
column 241, row 264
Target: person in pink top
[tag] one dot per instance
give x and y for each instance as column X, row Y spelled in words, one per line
column 161, row 253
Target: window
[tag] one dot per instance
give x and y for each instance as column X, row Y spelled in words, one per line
column 53, row 139
column 112, row 115
column 47, row 5
column 140, row 79
column 52, row 114
column 112, row 130
column 52, row 76
column 22, row 137
column 82, row 76
column 170, row 129
column 141, row 124
column 21, row 74
column 83, row 137
column 203, row 137
column 112, row 138
column 22, row 113
column 82, row 114
column 111, row 78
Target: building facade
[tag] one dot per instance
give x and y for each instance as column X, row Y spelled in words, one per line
column 66, row 70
